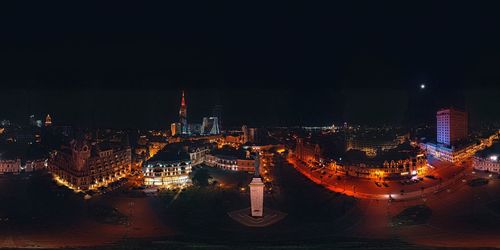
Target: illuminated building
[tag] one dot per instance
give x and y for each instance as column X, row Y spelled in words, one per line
column 374, row 141
column 83, row 166
column 48, row 120
column 451, row 154
column 175, row 128
column 451, row 126
column 399, row 162
column 253, row 134
column 183, row 116
column 393, row 164
column 210, row 126
column 10, row 166
column 233, row 139
column 231, row 159
column 244, row 129
column 488, row 159
column 156, row 144
column 306, row 151
column 20, row 164
column 452, row 142
column 168, row 168
column 198, row 152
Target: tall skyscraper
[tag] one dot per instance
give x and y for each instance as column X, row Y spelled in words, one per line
column 183, row 116
column 451, row 126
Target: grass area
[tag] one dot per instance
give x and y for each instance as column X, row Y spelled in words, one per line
column 204, row 210
column 230, row 179
column 33, row 198
column 414, row 215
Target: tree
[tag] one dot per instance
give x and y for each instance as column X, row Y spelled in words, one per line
column 201, row 178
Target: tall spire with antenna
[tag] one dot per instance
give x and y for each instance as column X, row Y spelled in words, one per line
column 183, row 115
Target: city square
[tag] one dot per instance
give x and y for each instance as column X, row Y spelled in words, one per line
column 246, row 125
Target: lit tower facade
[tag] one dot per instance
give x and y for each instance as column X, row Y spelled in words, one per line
column 183, row 115
column 451, row 126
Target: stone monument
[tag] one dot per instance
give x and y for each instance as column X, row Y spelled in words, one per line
column 256, row 215
column 257, row 192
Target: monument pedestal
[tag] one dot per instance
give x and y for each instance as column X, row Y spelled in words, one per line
column 257, row 197
column 256, row 215
column 269, row 217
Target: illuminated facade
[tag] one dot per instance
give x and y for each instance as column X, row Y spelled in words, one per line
column 18, row 166
column 83, row 166
column 459, row 153
column 167, row 169
column 451, row 125
column 371, row 145
column 307, row 152
column 198, row 154
column 488, row 159
column 10, row 166
column 210, row 126
column 232, row 163
column 175, row 128
column 396, row 168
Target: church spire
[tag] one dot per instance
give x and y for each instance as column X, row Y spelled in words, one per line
column 183, row 116
column 183, row 102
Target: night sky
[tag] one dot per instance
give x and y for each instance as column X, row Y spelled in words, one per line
column 279, row 63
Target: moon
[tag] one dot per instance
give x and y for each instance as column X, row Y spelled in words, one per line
column 422, row 86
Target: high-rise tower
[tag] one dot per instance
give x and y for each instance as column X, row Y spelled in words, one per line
column 183, row 116
column 451, row 125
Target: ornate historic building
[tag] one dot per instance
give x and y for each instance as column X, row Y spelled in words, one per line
column 307, row 152
column 83, row 166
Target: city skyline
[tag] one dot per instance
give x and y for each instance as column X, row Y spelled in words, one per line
column 126, row 109
column 241, row 125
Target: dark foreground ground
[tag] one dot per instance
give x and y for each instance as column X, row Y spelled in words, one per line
column 42, row 215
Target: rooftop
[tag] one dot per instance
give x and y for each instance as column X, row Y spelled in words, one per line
column 230, row 152
column 403, row 151
column 170, row 154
